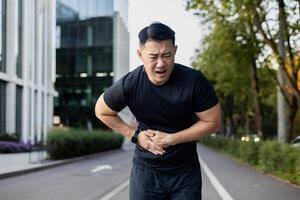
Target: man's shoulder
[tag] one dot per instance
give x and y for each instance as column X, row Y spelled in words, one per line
column 132, row 75
column 186, row 72
column 131, row 78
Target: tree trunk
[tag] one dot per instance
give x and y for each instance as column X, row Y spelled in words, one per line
column 230, row 125
column 291, row 117
column 281, row 103
column 281, row 112
column 256, row 99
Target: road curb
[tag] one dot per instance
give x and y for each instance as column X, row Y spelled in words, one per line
column 51, row 165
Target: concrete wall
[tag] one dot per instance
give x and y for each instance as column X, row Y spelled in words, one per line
column 38, row 67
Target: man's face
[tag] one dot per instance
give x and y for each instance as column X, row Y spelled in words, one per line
column 158, row 59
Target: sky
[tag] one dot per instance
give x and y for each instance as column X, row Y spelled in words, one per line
column 172, row 13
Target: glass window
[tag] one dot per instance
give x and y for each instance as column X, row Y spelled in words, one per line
column 81, row 34
column 64, row 61
column 19, row 109
column 19, row 28
column 83, row 9
column 2, row 106
column 73, row 34
column 2, row 35
column 84, row 56
column 103, row 31
column 102, row 60
column 58, row 35
column 64, row 12
column 81, row 62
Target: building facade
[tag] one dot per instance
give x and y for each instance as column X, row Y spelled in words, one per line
column 27, row 68
column 92, row 45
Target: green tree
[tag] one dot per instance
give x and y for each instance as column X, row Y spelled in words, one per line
column 263, row 26
column 242, row 51
column 282, row 36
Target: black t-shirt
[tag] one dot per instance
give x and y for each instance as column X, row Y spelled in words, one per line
column 169, row 108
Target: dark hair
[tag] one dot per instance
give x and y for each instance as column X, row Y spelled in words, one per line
column 156, row 31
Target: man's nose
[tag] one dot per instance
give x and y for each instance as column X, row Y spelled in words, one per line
column 160, row 62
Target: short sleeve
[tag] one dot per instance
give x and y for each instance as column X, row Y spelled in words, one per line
column 204, row 95
column 114, row 96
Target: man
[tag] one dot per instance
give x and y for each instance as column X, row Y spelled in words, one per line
column 174, row 106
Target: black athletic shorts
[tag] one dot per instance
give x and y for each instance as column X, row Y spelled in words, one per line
column 150, row 185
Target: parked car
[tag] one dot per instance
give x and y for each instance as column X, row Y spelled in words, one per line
column 296, row 141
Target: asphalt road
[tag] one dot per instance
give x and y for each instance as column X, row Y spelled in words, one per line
column 105, row 177
column 245, row 183
column 74, row 181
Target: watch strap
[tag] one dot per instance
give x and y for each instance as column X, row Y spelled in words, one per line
column 134, row 138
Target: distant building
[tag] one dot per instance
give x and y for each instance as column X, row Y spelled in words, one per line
column 92, row 50
column 27, row 68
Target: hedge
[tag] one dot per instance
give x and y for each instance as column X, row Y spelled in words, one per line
column 67, row 143
column 9, row 137
column 268, row 156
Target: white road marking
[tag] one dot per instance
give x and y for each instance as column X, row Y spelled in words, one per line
column 100, row 167
column 115, row 191
column 212, row 178
column 215, row 182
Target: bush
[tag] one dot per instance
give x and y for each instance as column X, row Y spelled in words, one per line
column 231, row 146
column 226, row 145
column 71, row 143
column 296, row 178
column 288, row 167
column 212, row 141
column 9, row 137
column 248, row 152
column 270, row 156
column 13, row 147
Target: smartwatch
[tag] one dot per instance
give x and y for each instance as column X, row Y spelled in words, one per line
column 134, row 138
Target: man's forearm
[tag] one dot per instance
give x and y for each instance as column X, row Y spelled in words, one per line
column 210, row 122
column 117, row 124
column 111, row 118
column 195, row 132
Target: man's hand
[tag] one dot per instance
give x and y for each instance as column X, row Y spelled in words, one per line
column 145, row 141
column 161, row 139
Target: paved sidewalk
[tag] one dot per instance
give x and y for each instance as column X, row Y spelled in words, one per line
column 14, row 164
column 19, row 163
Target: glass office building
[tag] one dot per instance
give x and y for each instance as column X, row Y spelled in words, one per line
column 27, row 68
column 92, row 50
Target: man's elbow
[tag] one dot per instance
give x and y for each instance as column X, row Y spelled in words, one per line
column 218, row 127
column 218, row 124
column 98, row 112
column 102, row 110
column 99, row 109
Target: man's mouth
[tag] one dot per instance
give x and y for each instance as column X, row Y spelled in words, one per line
column 161, row 72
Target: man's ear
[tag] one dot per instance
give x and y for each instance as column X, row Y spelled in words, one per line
column 175, row 49
column 139, row 53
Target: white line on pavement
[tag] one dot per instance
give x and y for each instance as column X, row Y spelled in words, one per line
column 100, row 167
column 115, row 191
column 215, row 182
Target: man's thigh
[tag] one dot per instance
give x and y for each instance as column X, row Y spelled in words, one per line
column 145, row 185
column 186, row 186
